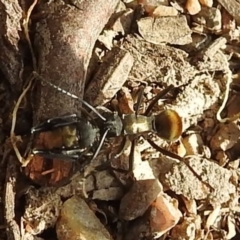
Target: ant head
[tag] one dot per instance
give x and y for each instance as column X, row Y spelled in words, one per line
column 113, row 124
column 168, row 125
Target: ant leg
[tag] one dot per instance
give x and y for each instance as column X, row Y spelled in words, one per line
column 56, row 122
column 100, row 145
column 159, row 95
column 131, row 156
column 59, row 153
column 164, row 151
column 173, row 155
column 123, row 146
column 139, row 100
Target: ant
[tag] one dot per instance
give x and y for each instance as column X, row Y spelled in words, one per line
column 82, row 137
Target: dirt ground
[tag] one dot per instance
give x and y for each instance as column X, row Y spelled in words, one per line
column 163, row 78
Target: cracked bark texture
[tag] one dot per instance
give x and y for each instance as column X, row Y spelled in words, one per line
column 64, row 41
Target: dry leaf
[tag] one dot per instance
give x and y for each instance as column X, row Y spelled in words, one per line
column 164, row 215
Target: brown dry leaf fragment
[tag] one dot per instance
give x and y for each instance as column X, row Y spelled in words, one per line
column 157, row 30
column 125, row 101
column 77, row 221
column 187, row 229
column 191, row 205
column 62, row 170
column 141, row 195
column 193, row 6
column 164, row 215
column 57, row 171
column 228, row 22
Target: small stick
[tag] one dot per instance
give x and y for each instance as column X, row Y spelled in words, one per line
column 13, row 137
column 228, row 77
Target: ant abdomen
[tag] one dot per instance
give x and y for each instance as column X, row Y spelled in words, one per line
column 168, row 125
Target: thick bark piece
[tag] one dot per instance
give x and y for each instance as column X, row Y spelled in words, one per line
column 64, row 42
column 11, row 58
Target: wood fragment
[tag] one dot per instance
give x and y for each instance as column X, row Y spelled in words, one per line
column 110, row 77
column 13, row 231
column 11, row 57
column 232, row 7
column 64, row 41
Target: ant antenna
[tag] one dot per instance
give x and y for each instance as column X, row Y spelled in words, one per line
column 35, row 74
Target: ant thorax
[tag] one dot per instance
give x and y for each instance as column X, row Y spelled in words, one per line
column 137, row 124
